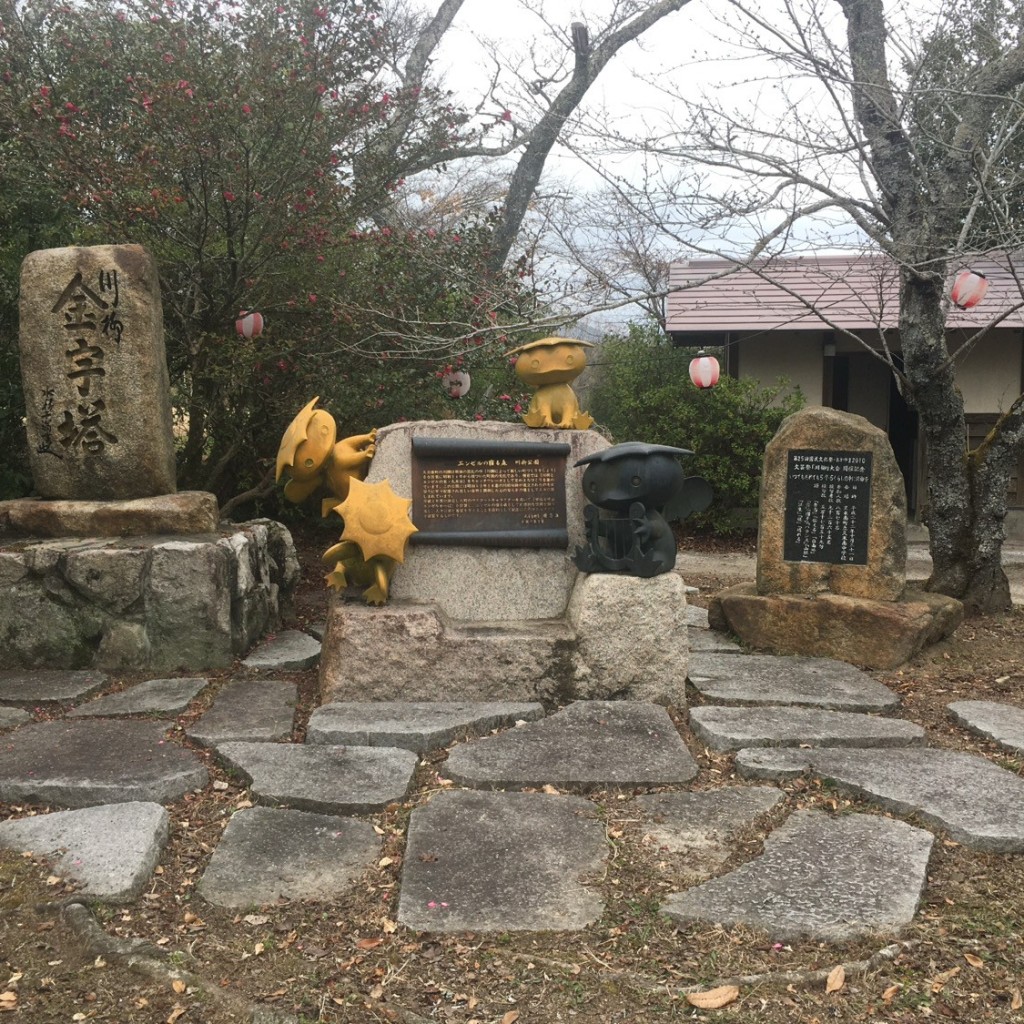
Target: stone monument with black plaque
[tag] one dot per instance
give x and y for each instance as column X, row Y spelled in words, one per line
column 488, row 604
column 831, row 550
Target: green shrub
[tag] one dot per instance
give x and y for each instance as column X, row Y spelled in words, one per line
column 643, row 392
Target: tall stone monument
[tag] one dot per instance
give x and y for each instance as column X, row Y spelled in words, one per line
column 831, row 551
column 112, row 567
column 95, row 374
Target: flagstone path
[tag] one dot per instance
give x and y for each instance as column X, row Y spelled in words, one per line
column 515, row 839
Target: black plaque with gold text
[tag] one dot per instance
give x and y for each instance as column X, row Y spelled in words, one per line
column 493, row 493
column 828, row 507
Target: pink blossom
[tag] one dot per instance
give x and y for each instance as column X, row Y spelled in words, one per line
column 44, row 91
column 517, row 407
column 246, row 109
column 506, row 115
column 229, row 196
column 312, row 297
column 70, row 106
column 168, row 58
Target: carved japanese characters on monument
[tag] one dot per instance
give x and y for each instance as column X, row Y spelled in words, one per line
column 94, row 374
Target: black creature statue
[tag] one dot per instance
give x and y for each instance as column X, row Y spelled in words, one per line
column 636, row 491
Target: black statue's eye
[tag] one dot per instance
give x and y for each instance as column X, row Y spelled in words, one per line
column 593, row 485
column 637, row 481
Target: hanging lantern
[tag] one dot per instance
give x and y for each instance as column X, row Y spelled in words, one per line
column 249, row 325
column 456, row 383
column 704, row 370
column 968, row 289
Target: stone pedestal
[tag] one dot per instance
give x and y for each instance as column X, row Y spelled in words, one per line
column 161, row 603
column 872, row 634
column 620, row 638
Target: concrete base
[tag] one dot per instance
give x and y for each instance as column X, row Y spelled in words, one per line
column 621, row 638
column 162, row 603
column 873, row 634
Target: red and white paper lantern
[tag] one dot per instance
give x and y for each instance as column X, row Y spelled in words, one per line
column 456, row 383
column 249, row 325
column 704, row 370
column 968, row 289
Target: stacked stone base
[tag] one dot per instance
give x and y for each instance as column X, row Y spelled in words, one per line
column 873, row 634
column 161, row 603
column 620, row 638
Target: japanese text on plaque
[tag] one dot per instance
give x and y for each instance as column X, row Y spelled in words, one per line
column 828, row 507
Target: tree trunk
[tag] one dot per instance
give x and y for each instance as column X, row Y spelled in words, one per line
column 966, row 492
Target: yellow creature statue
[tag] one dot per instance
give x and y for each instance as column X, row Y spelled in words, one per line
column 549, row 365
column 377, row 524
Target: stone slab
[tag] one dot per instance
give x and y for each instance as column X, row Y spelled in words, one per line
column 977, row 803
column 256, row 710
column 420, row 726
column 288, row 651
column 30, row 688
column 883, row 577
column 696, row 617
column 83, row 763
column 94, row 369
column 587, row 745
column 184, row 512
column 769, row 679
column 323, row 779
column 11, row 717
column 497, row 862
column 475, row 584
column 873, row 634
column 711, row 641
column 1003, row 723
column 725, row 729
column 268, row 854
column 681, row 821
column 159, row 697
column 820, row 878
column 110, row 850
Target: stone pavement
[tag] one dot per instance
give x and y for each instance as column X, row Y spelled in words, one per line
column 515, row 836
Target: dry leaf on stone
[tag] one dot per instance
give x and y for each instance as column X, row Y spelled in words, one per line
column 714, row 998
column 974, row 961
column 836, row 979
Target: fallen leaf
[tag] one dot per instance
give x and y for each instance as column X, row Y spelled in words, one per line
column 385, row 861
column 377, row 991
column 836, row 979
column 178, row 985
column 12, row 981
column 258, row 948
column 1015, row 1000
column 511, row 1017
column 368, row 943
column 175, row 1013
column 974, row 961
column 714, row 998
column 472, row 1002
column 255, row 919
column 891, row 993
column 389, row 926
column 54, row 880
column 7, row 1000
column 220, row 785
column 549, row 789
column 940, row 979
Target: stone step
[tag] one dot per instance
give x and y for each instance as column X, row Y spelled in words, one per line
column 587, row 745
column 83, row 763
column 728, row 728
column 256, row 710
column 711, row 641
column 498, row 862
column 323, row 779
column 773, row 679
column 415, row 725
column 28, row 688
column 110, row 850
column 10, row 717
column 267, row 854
column 161, row 697
column 820, row 878
column 1002, row 723
column 287, row 651
column 979, row 804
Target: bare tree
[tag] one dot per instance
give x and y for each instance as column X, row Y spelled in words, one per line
column 876, row 129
